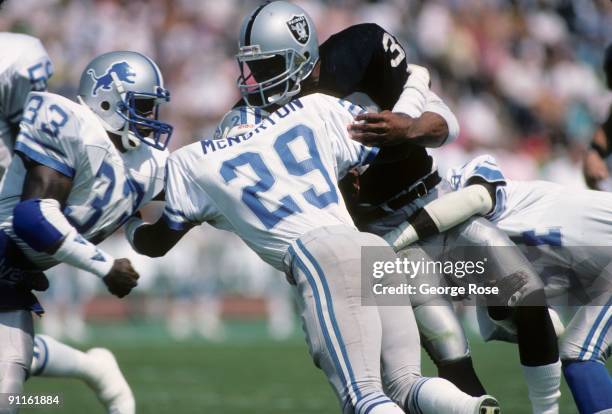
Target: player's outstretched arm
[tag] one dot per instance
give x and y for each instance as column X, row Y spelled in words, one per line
column 443, row 213
column 39, row 221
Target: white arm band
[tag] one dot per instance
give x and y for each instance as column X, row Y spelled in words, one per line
column 74, row 249
column 454, row 208
column 78, row 252
column 446, row 212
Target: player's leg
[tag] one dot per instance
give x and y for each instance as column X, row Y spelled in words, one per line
column 585, row 347
column 344, row 337
column 16, row 333
column 444, row 340
column 97, row 367
column 401, row 362
column 519, row 283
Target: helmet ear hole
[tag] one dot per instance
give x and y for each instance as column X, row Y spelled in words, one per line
column 307, row 54
column 105, row 105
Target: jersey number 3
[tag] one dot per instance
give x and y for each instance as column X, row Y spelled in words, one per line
column 390, row 45
column 253, row 194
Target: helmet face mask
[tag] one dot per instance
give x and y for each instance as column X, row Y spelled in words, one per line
column 272, row 78
column 278, row 49
column 141, row 112
column 124, row 90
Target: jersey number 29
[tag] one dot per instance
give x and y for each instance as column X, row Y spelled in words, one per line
column 252, row 194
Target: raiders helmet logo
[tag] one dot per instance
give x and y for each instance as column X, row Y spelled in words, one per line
column 298, row 26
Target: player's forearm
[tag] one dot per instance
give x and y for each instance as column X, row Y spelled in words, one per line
column 41, row 224
column 428, row 130
column 152, row 239
column 442, row 214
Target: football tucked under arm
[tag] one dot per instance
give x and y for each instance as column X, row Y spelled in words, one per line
column 442, row 214
column 41, row 224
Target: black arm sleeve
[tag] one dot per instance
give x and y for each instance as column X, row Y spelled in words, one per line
column 363, row 58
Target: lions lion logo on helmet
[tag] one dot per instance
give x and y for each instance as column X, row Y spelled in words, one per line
column 298, row 26
column 123, row 71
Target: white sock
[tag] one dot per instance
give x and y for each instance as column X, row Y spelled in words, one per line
column 437, row 395
column 387, row 408
column 55, row 359
column 543, row 383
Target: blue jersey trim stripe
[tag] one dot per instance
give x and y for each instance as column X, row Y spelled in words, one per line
column 489, row 174
column 176, row 225
column 175, row 212
column 45, row 160
column 43, row 144
column 326, row 335
column 589, row 338
column 371, row 154
column 332, row 316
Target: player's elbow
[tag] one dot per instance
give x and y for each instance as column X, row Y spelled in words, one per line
column 32, row 223
column 155, row 240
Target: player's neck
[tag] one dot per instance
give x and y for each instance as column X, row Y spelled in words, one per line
column 116, row 140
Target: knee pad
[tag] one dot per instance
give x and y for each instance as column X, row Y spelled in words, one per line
column 441, row 333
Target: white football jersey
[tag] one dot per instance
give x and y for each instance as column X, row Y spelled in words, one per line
column 275, row 183
column 107, row 185
column 559, row 228
column 24, row 67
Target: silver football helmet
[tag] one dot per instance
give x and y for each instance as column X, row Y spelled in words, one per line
column 239, row 121
column 124, row 89
column 278, row 48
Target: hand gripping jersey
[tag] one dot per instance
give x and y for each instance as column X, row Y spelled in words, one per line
column 273, row 184
column 107, row 186
column 24, row 67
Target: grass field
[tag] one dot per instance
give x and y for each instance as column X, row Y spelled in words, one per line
column 247, row 374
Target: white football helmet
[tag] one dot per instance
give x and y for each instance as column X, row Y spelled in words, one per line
column 278, row 49
column 239, row 121
column 125, row 89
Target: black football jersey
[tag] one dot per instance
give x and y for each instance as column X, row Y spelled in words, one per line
column 365, row 58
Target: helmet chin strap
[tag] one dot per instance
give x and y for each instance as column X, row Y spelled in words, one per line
column 128, row 139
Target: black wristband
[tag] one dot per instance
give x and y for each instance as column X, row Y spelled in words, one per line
column 423, row 224
column 599, row 149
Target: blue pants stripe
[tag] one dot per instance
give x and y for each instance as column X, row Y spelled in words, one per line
column 330, row 348
column 589, row 338
column 332, row 316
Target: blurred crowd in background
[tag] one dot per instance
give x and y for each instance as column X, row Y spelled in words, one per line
column 523, row 77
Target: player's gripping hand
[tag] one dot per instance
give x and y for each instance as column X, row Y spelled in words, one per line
column 381, row 129
column 595, row 169
column 122, row 278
